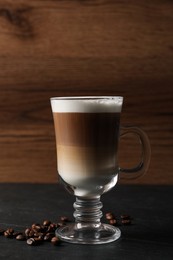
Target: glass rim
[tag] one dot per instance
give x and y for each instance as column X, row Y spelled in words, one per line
column 87, row 98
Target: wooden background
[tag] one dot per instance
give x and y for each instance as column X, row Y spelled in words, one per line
column 76, row 47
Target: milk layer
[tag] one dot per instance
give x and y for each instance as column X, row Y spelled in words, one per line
column 79, row 167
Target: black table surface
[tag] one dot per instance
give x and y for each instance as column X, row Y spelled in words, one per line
column 149, row 237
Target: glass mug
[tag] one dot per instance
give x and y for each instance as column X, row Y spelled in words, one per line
column 87, row 131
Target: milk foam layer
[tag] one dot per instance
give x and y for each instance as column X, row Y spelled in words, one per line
column 87, row 104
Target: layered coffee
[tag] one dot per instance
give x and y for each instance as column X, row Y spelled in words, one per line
column 87, row 133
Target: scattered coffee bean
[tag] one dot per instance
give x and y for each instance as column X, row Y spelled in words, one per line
column 49, row 236
column 27, row 231
column 36, row 227
column 55, row 241
column 6, row 234
column 31, row 234
column 46, row 222
column 64, row 219
column 15, row 234
column 9, row 233
column 41, row 237
column 21, row 237
column 57, row 225
column 113, row 222
column 52, row 227
column 126, row 221
column 10, row 230
column 109, row 216
column 31, row 241
column 39, row 234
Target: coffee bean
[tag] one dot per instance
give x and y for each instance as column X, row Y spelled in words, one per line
column 55, row 241
column 52, row 227
column 109, row 216
column 41, row 237
column 10, row 230
column 49, row 236
column 27, row 231
column 113, row 222
column 31, row 241
column 33, row 225
column 46, row 222
column 126, row 221
column 9, row 233
column 31, row 233
column 64, row 219
column 15, row 234
column 39, row 234
column 36, row 227
column 43, row 228
column 56, row 225
column 21, row 237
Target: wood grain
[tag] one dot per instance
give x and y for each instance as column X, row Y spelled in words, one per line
column 101, row 47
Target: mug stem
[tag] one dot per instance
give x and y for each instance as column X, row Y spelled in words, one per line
column 87, row 228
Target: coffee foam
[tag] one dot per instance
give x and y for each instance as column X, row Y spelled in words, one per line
column 87, row 104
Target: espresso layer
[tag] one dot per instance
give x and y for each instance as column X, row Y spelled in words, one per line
column 87, row 129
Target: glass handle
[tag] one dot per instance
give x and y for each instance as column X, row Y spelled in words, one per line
column 142, row 166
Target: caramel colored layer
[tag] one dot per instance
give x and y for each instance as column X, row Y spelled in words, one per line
column 87, row 129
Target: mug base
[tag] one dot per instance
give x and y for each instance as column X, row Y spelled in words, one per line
column 88, row 234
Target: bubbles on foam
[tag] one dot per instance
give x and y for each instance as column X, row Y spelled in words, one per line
column 87, row 104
